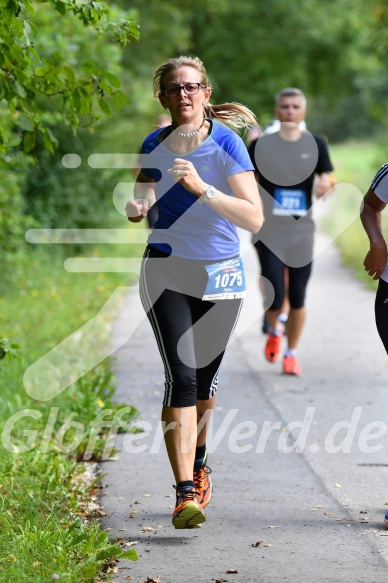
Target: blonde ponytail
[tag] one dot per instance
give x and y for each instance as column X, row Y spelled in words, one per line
column 234, row 115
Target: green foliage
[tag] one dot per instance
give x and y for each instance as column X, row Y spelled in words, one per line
column 60, row 197
column 45, row 520
column 8, row 349
column 13, row 221
column 252, row 50
column 40, row 69
column 46, row 525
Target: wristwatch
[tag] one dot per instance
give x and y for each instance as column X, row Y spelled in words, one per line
column 209, row 193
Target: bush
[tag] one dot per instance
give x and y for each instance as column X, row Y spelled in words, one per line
column 13, row 221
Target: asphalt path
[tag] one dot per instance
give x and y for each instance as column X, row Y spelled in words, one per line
column 299, row 465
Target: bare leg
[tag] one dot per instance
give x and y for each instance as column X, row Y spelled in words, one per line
column 180, row 440
column 272, row 317
column 295, row 325
column 286, row 304
column 204, row 408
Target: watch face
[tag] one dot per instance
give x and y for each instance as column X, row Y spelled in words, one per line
column 210, row 193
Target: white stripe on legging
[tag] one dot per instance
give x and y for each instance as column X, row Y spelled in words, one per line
column 147, row 303
column 214, row 383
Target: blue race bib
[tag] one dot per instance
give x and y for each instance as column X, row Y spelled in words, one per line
column 289, row 202
column 226, row 280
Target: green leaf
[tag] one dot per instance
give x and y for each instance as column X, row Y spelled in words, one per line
column 76, row 100
column 60, row 7
column 122, row 96
column 104, row 106
column 18, row 27
column 25, row 123
column 129, row 554
column 113, row 80
column 29, row 142
column 47, row 143
column 106, row 87
column 19, row 89
column 109, row 552
column 33, row 28
column 117, row 101
column 69, row 74
column 90, row 68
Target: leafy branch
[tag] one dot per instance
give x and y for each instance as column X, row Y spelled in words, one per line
column 39, row 73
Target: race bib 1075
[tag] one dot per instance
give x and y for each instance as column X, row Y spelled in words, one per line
column 226, row 280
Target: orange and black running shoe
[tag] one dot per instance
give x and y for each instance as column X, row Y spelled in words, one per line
column 187, row 513
column 203, row 484
column 273, row 346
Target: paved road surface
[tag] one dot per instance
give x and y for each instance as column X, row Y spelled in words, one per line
column 316, row 509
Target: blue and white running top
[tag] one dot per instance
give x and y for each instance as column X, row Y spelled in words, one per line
column 380, row 188
column 184, row 227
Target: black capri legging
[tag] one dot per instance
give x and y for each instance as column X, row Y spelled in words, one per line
column 272, row 269
column 191, row 334
column 381, row 312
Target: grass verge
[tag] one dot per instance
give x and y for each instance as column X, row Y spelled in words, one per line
column 49, row 531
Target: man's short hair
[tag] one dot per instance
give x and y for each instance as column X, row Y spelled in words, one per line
column 290, row 92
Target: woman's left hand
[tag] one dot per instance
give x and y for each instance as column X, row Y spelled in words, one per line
column 184, row 172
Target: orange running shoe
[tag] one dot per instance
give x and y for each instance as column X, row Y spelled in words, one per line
column 188, row 513
column 291, row 366
column 203, row 484
column 273, row 346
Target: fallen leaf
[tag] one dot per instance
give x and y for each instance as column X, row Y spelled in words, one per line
column 128, row 577
column 147, row 529
column 273, row 526
column 221, row 581
column 338, row 486
column 130, row 543
column 268, row 545
column 328, row 513
column 137, row 502
column 232, row 571
column 147, row 495
column 257, row 544
column 152, row 580
column 363, row 512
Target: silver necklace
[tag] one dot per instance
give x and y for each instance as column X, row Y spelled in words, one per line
column 190, row 134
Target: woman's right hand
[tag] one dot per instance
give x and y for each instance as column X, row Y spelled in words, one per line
column 136, row 210
column 376, row 259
